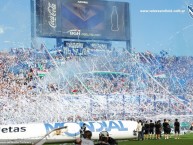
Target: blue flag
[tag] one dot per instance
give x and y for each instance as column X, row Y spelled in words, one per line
column 190, row 10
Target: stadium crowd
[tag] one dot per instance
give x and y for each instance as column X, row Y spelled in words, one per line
column 142, row 83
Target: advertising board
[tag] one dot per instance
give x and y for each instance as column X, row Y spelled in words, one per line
column 75, row 19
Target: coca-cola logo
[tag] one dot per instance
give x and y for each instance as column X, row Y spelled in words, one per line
column 52, row 15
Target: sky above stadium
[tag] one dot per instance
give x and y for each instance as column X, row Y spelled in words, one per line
column 155, row 25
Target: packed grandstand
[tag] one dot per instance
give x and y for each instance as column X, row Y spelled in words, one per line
column 39, row 85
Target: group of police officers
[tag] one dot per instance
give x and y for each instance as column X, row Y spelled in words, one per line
column 151, row 130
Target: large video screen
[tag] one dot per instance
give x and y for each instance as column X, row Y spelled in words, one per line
column 90, row 19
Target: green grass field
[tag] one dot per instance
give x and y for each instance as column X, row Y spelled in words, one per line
column 184, row 140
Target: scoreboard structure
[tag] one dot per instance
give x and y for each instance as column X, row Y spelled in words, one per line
column 76, row 19
column 81, row 20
